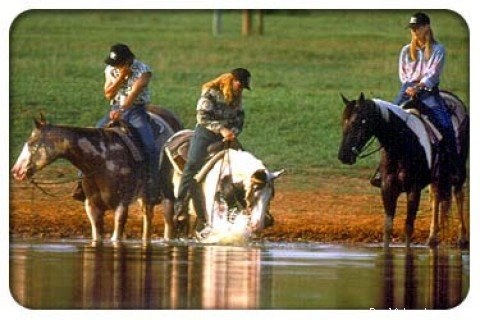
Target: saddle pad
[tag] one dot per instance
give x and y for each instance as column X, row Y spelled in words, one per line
column 412, row 122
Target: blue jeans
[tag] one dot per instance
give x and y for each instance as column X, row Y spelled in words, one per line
column 137, row 117
column 436, row 111
column 197, row 156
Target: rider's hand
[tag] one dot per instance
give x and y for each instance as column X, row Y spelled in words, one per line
column 115, row 115
column 411, row 91
column 227, row 134
column 125, row 72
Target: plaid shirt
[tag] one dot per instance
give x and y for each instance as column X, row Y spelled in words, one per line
column 138, row 68
column 422, row 70
column 214, row 113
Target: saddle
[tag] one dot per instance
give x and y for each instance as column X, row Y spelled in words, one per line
column 415, row 108
column 178, row 145
column 128, row 136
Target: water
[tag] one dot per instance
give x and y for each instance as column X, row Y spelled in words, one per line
column 73, row 274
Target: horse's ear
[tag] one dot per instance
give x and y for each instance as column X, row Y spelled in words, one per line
column 276, row 174
column 43, row 120
column 362, row 97
column 38, row 123
column 345, row 100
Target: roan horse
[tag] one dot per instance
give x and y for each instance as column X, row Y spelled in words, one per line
column 407, row 160
column 237, row 190
column 112, row 176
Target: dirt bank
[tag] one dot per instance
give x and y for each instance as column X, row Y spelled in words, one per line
column 345, row 210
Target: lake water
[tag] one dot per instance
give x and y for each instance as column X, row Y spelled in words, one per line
column 68, row 274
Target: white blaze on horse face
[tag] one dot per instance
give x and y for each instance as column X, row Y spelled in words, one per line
column 19, row 169
column 260, row 207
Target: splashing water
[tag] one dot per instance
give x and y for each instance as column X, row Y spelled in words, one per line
column 229, row 227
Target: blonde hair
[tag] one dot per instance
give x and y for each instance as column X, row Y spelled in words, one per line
column 429, row 41
column 224, row 83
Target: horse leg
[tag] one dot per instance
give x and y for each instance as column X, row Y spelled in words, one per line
column 433, row 236
column 444, row 209
column 95, row 215
column 120, row 218
column 462, row 216
column 389, row 197
column 413, row 200
column 147, row 222
column 168, row 232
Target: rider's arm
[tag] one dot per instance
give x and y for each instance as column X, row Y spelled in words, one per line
column 404, row 69
column 434, row 67
column 112, row 85
column 206, row 118
column 137, row 88
column 206, row 114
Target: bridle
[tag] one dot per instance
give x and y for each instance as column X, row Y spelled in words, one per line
column 38, row 183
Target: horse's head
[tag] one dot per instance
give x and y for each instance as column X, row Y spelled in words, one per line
column 37, row 151
column 259, row 192
column 358, row 124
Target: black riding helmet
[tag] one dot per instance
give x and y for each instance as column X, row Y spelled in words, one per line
column 119, row 54
column 242, row 75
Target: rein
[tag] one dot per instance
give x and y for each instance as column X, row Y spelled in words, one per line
column 37, row 185
column 362, row 155
column 226, row 161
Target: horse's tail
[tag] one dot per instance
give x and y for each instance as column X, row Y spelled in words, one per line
column 170, row 118
column 461, row 120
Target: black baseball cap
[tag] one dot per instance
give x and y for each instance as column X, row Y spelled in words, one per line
column 119, row 54
column 242, row 75
column 418, row 19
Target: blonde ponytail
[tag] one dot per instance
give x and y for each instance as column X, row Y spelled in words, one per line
column 224, row 83
column 429, row 41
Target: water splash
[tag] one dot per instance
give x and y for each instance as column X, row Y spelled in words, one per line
column 231, row 228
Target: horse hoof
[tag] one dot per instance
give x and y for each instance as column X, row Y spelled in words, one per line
column 432, row 242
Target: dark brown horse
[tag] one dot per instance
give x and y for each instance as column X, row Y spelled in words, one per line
column 407, row 160
column 114, row 174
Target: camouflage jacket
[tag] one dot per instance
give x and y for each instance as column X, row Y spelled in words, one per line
column 214, row 113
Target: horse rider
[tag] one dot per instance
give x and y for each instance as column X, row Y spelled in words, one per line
column 220, row 117
column 420, row 66
column 126, row 87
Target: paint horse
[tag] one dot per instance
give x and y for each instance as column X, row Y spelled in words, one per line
column 113, row 173
column 236, row 187
column 407, row 159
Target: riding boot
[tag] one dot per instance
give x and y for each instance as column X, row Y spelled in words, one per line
column 376, row 179
column 454, row 166
column 78, row 193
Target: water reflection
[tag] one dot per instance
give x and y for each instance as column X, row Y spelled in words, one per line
column 442, row 280
column 183, row 277
column 164, row 276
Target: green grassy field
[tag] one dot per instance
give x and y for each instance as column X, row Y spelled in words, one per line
column 299, row 67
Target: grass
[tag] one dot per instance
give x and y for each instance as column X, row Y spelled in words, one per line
column 299, row 67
